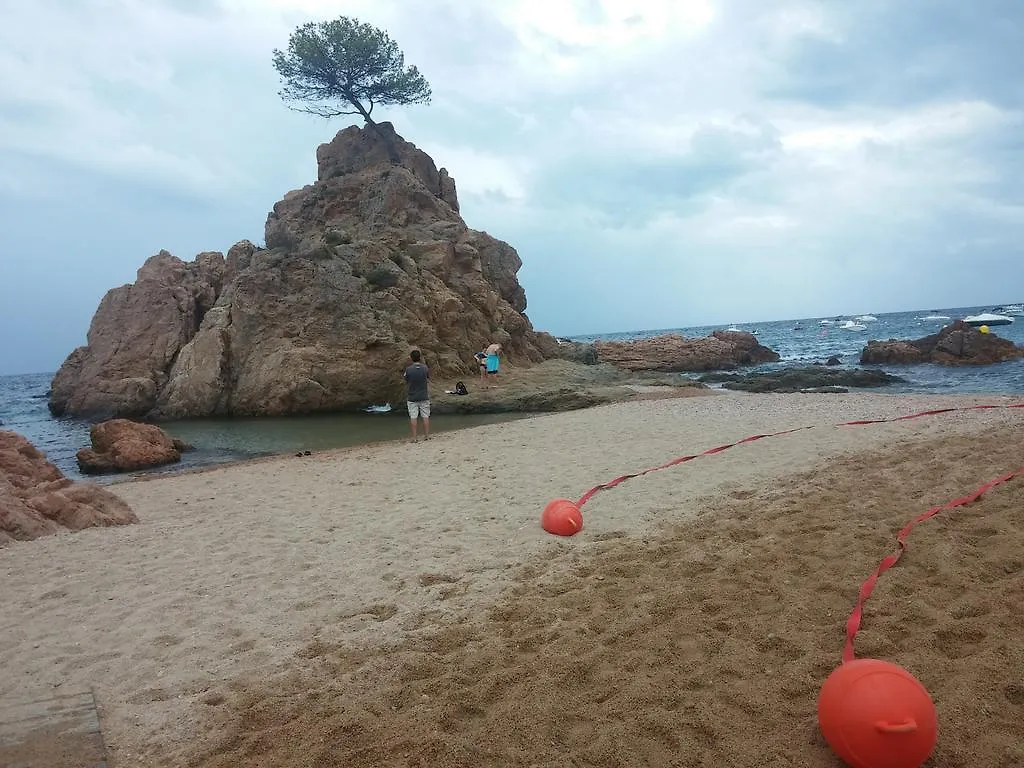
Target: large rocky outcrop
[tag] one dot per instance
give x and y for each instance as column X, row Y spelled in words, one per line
column 368, row 262
column 721, row 350
column 36, row 499
column 956, row 344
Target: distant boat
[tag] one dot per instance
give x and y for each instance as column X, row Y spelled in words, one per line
column 934, row 317
column 866, row 318
column 1010, row 310
column 734, row 329
column 987, row 318
column 386, row 408
column 849, row 325
column 825, row 322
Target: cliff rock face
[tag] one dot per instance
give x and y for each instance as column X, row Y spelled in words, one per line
column 956, row 344
column 136, row 335
column 370, row 261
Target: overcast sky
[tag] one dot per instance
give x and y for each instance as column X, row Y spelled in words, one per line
column 656, row 163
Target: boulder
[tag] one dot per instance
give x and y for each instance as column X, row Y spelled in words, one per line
column 36, row 499
column 120, row 445
column 810, row 379
column 956, row 344
column 722, row 350
column 366, row 263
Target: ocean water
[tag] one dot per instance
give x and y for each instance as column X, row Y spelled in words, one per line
column 23, row 409
column 23, row 398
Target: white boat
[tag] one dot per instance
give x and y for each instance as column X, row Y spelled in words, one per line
column 1010, row 310
column 849, row 325
column 865, row 318
column 386, row 408
column 734, row 329
column 934, row 317
column 988, row 318
column 824, row 322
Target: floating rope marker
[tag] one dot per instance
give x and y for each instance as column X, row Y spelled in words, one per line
column 562, row 517
column 872, row 713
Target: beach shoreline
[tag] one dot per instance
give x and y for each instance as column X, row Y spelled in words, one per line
column 235, row 570
column 643, row 393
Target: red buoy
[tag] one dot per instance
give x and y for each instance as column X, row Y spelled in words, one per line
column 562, row 518
column 877, row 715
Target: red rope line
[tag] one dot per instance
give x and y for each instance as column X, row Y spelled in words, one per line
column 682, row 459
column 853, row 622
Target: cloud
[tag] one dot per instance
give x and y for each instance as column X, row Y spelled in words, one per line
column 668, row 163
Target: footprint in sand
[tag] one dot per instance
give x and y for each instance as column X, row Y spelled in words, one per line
column 1014, row 694
column 970, row 610
column 165, row 641
column 958, row 642
column 430, row 579
column 378, row 612
column 781, row 648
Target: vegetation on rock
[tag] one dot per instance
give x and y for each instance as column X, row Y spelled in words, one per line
column 346, row 67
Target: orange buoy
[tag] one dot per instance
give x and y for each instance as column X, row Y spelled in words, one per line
column 562, row 518
column 877, row 715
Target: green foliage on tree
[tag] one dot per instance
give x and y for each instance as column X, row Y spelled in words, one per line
column 344, row 67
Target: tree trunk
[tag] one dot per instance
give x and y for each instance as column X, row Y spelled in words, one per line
column 388, row 143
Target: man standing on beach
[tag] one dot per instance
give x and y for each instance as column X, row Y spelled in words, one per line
column 417, row 395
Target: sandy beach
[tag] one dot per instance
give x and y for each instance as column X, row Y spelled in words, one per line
column 400, row 605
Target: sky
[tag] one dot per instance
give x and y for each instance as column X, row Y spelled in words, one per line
column 656, row 163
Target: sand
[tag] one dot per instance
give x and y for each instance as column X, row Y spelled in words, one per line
column 400, row 605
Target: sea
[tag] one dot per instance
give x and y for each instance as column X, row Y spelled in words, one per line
column 799, row 342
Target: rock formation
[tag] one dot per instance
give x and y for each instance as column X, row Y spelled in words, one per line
column 956, row 344
column 368, row 262
column 808, row 379
column 722, row 350
column 36, row 499
column 120, row 445
column 136, row 336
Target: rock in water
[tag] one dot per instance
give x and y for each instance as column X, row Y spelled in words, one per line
column 808, row 379
column 36, row 499
column 956, row 344
column 120, row 445
column 673, row 352
column 359, row 267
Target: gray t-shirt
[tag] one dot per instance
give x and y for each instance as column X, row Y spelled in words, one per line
column 416, row 376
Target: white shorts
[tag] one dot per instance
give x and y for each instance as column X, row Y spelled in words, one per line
column 422, row 408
